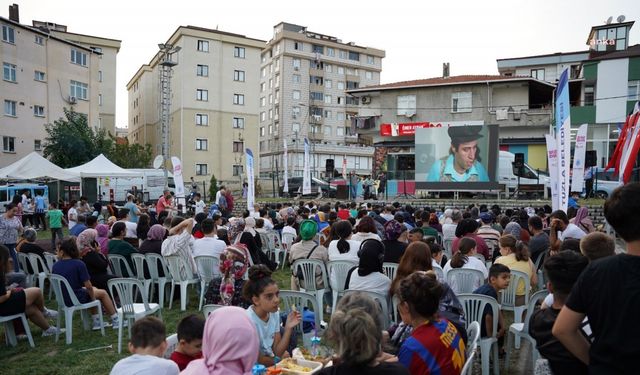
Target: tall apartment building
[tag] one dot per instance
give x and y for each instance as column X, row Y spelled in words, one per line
column 43, row 73
column 214, row 102
column 303, row 78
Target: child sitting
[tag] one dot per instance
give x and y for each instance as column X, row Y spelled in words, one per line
column 499, row 277
column 190, row 330
column 148, row 345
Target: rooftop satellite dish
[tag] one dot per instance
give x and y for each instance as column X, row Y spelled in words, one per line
column 609, row 20
column 621, row 18
column 157, row 162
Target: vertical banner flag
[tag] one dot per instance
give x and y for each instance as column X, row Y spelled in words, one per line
column 285, row 160
column 579, row 152
column 250, row 190
column 552, row 157
column 306, row 175
column 179, row 181
column 632, row 144
column 563, row 127
column 344, row 167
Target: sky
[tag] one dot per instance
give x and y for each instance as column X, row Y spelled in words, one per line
column 418, row 36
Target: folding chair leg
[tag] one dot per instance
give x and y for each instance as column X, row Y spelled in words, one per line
column 68, row 324
column 485, row 355
column 496, row 359
column 173, row 286
column 27, row 330
column 183, row 296
column 320, row 299
column 202, row 288
column 120, row 323
column 10, row 333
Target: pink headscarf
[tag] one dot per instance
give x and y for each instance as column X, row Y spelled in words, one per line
column 103, row 238
column 229, row 344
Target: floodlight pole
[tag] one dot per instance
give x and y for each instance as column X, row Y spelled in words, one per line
column 166, row 65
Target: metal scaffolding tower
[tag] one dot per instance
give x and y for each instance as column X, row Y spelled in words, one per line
column 166, row 65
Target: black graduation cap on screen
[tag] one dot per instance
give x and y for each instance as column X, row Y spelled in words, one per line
column 462, row 134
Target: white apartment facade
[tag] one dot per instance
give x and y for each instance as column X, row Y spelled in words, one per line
column 303, row 79
column 42, row 75
column 214, row 103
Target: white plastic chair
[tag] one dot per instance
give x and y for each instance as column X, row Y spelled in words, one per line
column 447, row 246
column 521, row 330
column 275, row 244
column 265, row 244
column 126, row 290
column 172, row 344
column 58, row 283
column 302, row 300
column 382, row 300
column 508, row 298
column 208, row 309
column 207, row 266
column 139, row 261
column 439, row 273
column 23, row 260
column 37, row 263
column 338, row 271
column 464, row 280
column 390, row 269
column 120, row 265
column 473, row 335
column 287, row 241
column 473, row 305
column 50, row 259
column 541, row 280
column 176, row 265
column 10, row 333
column 309, row 267
column 154, row 262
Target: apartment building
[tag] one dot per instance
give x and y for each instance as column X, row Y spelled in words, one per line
column 303, row 79
column 42, row 75
column 214, row 102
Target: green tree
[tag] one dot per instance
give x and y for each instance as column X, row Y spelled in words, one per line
column 213, row 188
column 128, row 155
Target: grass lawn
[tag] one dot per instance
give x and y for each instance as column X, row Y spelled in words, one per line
column 50, row 357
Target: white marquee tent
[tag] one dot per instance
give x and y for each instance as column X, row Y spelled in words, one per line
column 100, row 166
column 34, row 166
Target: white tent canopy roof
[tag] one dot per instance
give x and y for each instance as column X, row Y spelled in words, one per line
column 100, row 166
column 34, row 166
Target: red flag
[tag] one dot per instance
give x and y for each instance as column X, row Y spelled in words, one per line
column 614, row 161
column 634, row 145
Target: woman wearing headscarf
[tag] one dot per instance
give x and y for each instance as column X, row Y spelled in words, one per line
column 583, row 221
column 395, row 241
column 243, row 231
column 103, row 238
column 469, row 228
column 227, row 289
column 153, row 244
column 368, row 276
column 229, row 344
column 97, row 264
column 308, row 249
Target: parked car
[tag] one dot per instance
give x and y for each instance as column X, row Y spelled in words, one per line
column 318, row 187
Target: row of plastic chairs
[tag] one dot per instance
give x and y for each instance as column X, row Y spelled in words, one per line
column 277, row 247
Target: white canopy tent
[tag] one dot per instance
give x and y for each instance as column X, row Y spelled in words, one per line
column 34, row 166
column 100, row 166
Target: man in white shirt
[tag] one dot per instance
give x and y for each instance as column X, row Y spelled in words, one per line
column 562, row 229
column 199, row 205
column 209, row 244
column 123, row 216
column 179, row 243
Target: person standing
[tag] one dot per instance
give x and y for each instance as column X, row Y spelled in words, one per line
column 72, row 214
column 353, row 185
column 134, row 211
column 382, row 186
column 40, row 207
column 163, row 202
column 10, row 228
column 56, row 218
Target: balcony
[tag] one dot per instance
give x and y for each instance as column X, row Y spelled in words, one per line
column 351, row 139
column 530, row 117
column 315, row 120
column 316, row 87
column 313, row 71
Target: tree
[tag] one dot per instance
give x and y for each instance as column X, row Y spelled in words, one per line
column 71, row 142
column 128, row 155
column 213, row 188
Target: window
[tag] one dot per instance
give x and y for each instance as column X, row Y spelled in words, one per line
column 331, row 51
column 99, row 99
column 38, row 111
column 202, row 95
column 10, row 108
column 354, row 56
column 270, row 83
column 368, row 75
column 39, row 76
column 202, row 119
column 237, row 170
column 340, row 100
column 78, row 57
column 8, row 34
column 406, row 105
column 99, row 75
column 202, row 144
column 238, row 122
column 340, row 131
column 328, row 83
column 340, row 70
column 352, row 100
column 314, row 95
column 327, row 130
column 327, row 114
column 37, row 145
column 8, row 72
column 238, row 99
column 238, row 146
column 79, row 90
column 296, row 95
column 295, row 127
column 340, row 85
column 633, row 90
column 589, row 94
column 262, row 86
column 299, row 46
column 277, row 79
column 270, row 129
column 202, row 70
column 461, row 102
column 203, row 45
column 340, row 116
column 201, row 169
column 317, row 49
column 270, row 98
column 263, row 116
column 262, row 131
column 263, row 101
column 371, row 60
column 352, row 85
column 537, row 74
column 239, row 52
column 238, row 75
column 9, row 144
column 277, row 96
column 39, row 40
column 296, row 64
column 263, row 72
column 327, row 99
column 342, row 54
column 295, row 78
column 328, row 68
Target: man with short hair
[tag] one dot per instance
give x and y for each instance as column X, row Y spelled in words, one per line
column 597, row 245
column 163, row 202
column 199, row 203
column 463, row 162
column 607, row 293
column 134, row 211
column 209, row 244
column 561, row 228
column 539, row 242
column 486, row 231
column 40, row 207
column 79, row 227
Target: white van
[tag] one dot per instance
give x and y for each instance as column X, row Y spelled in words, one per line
column 508, row 174
column 8, row 191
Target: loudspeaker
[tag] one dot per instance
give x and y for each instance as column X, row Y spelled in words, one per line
column 329, row 166
column 591, row 159
column 518, row 162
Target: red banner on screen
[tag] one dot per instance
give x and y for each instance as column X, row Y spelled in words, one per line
column 409, row 128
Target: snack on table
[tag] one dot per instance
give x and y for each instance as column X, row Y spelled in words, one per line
column 298, row 366
column 291, row 364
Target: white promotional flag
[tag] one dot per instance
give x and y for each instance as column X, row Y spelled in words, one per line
column 179, row 181
column 344, row 167
column 250, row 189
column 563, row 127
column 552, row 158
column 285, row 164
column 580, row 150
column 306, row 174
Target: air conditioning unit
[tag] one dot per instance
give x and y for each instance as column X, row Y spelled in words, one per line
column 296, row 68
column 73, row 100
column 366, row 99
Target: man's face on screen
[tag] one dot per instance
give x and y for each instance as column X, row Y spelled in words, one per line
column 465, row 155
